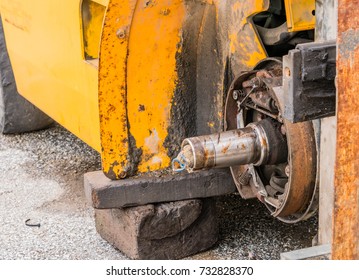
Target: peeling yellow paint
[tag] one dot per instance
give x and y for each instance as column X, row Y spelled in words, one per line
column 152, row 142
column 244, row 44
column 112, row 87
column 151, row 77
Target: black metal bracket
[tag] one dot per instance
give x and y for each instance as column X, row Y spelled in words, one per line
column 309, row 82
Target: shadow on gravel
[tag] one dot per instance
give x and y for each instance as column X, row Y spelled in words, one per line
column 248, row 231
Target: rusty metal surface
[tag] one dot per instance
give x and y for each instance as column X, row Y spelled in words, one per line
column 289, row 186
column 112, row 93
column 302, row 154
column 346, row 205
column 325, row 30
column 308, row 81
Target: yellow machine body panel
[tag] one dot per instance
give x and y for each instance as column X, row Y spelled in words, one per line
column 141, row 48
column 46, row 48
column 300, row 14
column 145, row 75
column 246, row 43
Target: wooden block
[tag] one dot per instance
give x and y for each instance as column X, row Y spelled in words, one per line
column 160, row 231
column 103, row 193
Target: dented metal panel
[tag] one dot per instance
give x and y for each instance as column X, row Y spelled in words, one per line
column 346, row 205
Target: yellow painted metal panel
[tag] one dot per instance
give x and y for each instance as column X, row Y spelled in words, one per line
column 137, row 82
column 46, row 50
column 245, row 46
column 152, row 75
column 102, row 2
column 92, row 18
column 116, row 151
column 300, row 14
column 138, row 77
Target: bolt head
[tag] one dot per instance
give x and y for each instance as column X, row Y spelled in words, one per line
column 235, row 94
column 121, row 34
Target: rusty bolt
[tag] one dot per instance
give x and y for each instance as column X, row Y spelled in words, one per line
column 165, row 11
column 121, row 34
column 244, row 178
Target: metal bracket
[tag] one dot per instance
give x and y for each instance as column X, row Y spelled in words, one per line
column 309, row 81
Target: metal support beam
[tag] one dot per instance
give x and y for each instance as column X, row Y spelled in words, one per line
column 345, row 244
column 326, row 30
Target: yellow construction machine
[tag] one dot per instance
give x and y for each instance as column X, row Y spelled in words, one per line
column 187, row 100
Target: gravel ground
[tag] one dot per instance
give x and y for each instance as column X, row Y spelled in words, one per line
column 41, row 176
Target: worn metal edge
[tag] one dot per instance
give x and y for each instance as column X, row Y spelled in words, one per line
column 103, row 193
column 311, row 253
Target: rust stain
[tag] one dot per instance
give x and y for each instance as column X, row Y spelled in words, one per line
column 141, row 108
column 112, row 92
column 152, row 76
column 345, row 244
column 225, row 149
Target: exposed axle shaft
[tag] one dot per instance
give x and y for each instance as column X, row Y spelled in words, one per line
column 258, row 143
